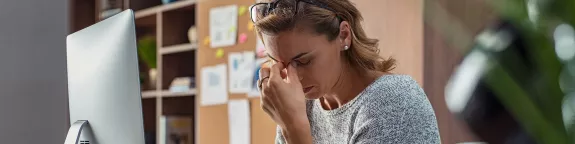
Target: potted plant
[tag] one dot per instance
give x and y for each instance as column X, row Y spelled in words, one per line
column 147, row 53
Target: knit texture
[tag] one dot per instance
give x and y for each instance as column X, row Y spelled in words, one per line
column 393, row 109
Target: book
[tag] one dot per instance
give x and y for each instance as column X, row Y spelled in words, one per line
column 176, row 130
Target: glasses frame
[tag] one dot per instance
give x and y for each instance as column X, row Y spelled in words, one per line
column 273, row 5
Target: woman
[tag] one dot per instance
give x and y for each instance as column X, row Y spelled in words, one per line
column 327, row 83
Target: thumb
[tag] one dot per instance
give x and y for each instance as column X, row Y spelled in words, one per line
column 292, row 75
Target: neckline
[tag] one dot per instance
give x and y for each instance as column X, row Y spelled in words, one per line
column 317, row 104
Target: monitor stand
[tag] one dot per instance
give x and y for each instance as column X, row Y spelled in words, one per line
column 80, row 131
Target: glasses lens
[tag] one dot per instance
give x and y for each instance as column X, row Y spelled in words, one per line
column 258, row 11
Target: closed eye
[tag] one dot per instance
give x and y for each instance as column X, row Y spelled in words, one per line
column 303, row 63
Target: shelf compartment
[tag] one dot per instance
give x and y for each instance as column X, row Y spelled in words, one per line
column 175, row 25
column 144, row 5
column 149, row 113
column 148, row 22
column 82, row 14
column 178, row 106
column 146, row 27
column 182, row 64
column 146, row 85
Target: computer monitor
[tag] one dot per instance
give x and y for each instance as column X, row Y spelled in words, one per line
column 103, row 83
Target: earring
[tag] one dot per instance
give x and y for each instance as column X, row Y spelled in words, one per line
column 345, row 47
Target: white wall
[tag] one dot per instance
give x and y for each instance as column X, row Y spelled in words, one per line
column 33, row 93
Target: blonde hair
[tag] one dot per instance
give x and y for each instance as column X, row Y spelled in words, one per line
column 363, row 52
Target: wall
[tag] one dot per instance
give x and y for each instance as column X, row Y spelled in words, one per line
column 33, row 95
column 398, row 24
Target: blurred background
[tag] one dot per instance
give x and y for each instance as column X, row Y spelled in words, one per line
column 494, row 71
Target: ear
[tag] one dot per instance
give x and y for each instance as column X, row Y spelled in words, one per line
column 345, row 34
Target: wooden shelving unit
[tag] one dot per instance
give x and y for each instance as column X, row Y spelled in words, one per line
column 176, row 56
column 178, row 48
column 165, row 93
column 149, row 94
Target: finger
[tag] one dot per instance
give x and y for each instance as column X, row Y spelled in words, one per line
column 262, row 84
column 268, row 111
column 266, row 105
column 264, row 72
column 283, row 74
column 275, row 71
column 259, row 82
column 292, row 74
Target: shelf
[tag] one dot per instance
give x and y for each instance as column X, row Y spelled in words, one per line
column 147, row 12
column 149, row 94
column 161, row 8
column 178, row 5
column 167, row 93
column 178, row 48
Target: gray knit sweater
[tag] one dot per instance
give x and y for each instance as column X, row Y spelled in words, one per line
column 393, row 109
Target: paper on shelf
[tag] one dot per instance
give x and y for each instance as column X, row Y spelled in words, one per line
column 213, row 85
column 239, row 121
column 241, row 71
column 223, row 26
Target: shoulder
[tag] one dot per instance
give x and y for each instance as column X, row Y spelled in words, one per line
column 396, row 91
column 395, row 109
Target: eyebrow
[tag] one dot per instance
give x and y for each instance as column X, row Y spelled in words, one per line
column 295, row 57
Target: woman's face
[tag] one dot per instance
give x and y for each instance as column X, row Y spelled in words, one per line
column 317, row 60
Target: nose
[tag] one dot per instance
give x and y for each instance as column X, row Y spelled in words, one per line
column 299, row 71
column 299, row 74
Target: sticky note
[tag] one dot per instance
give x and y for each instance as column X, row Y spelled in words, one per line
column 250, row 26
column 243, row 38
column 207, row 40
column 232, row 29
column 232, row 33
column 220, row 53
column 242, row 10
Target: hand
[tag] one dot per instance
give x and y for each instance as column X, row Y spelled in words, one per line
column 284, row 101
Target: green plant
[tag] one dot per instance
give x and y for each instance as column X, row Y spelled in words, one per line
column 147, row 50
column 537, row 106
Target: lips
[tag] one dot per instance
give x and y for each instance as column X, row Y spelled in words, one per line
column 307, row 89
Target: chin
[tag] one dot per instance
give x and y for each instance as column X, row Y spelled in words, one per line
column 312, row 95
